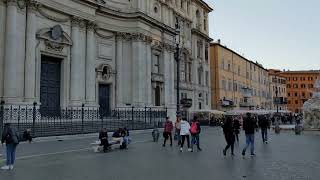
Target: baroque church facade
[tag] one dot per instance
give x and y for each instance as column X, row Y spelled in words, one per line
column 103, row 53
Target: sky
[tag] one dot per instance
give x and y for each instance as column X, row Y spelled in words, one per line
column 279, row 34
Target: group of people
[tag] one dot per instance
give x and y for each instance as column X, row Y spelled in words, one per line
column 250, row 125
column 183, row 131
column 120, row 136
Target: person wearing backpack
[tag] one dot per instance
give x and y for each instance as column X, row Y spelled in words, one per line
column 195, row 132
column 10, row 136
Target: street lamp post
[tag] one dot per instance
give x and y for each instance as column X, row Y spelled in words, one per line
column 177, row 58
column 178, row 78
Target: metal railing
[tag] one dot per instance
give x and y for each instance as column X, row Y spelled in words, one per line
column 82, row 120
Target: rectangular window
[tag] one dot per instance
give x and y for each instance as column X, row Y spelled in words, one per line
column 156, row 68
column 296, row 94
column 207, row 78
column 199, row 77
column 224, row 85
column 235, row 86
column 207, row 99
column 189, row 71
column 239, row 72
column 206, row 53
column 182, row 71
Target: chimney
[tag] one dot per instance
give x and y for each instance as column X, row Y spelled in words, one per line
column 219, row 41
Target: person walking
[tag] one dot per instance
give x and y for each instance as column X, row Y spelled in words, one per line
column 236, row 124
column 185, row 134
column 229, row 134
column 167, row 133
column 249, row 126
column 178, row 129
column 264, row 126
column 195, row 130
column 10, row 136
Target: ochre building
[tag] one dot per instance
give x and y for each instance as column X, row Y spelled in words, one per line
column 299, row 87
column 235, row 78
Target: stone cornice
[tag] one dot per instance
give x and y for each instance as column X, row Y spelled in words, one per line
column 197, row 31
column 11, row 2
column 136, row 16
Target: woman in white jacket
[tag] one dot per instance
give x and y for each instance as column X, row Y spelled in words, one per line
column 185, row 132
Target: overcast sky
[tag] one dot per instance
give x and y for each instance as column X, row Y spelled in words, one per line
column 282, row 34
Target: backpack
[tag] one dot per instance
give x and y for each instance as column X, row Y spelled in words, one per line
column 194, row 128
column 9, row 138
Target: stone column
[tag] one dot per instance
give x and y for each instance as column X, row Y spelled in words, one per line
column 77, row 77
column 30, row 65
column 138, row 70
column 149, row 67
column 11, row 89
column 120, row 69
column 167, row 74
column 90, row 66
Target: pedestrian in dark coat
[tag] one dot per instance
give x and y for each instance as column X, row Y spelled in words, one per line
column 237, row 125
column 10, row 136
column 229, row 134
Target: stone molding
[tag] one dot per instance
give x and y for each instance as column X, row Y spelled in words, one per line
column 134, row 37
column 51, row 44
column 53, row 18
column 169, row 47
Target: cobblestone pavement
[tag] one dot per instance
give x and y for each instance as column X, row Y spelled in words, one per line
column 286, row 157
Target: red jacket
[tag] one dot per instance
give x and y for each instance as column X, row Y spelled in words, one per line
column 168, row 126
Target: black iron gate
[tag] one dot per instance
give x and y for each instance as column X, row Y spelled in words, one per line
column 81, row 120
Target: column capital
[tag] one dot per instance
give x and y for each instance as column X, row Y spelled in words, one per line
column 78, row 22
column 91, row 25
column 32, row 5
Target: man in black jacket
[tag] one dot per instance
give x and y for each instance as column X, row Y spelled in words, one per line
column 249, row 127
column 264, row 125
